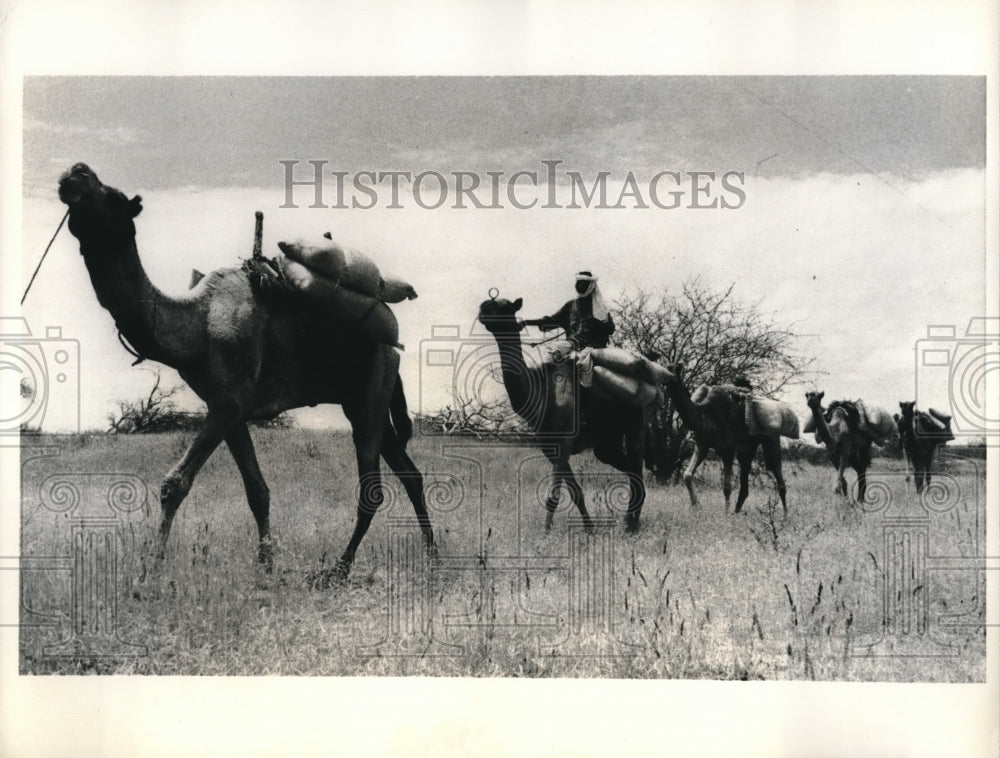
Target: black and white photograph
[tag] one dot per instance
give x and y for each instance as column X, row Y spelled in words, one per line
column 438, row 400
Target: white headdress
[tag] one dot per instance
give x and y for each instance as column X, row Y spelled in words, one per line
column 600, row 308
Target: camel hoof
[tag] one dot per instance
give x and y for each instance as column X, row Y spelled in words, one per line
column 325, row 578
column 265, row 558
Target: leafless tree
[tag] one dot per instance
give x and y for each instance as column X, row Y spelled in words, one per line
column 148, row 413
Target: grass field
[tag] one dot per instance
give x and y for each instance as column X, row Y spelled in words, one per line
column 695, row 594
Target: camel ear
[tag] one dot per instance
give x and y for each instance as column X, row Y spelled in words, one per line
column 517, row 304
column 820, row 395
column 896, row 417
column 135, row 206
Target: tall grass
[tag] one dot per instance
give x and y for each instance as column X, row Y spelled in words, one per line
column 696, row 593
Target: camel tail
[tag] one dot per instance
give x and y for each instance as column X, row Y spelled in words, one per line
column 399, row 415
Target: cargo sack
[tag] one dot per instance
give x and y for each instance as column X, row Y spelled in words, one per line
column 393, row 290
column 625, row 362
column 348, row 267
column 626, row 389
column 366, row 314
column 933, row 425
column 876, row 422
column 351, row 269
column 766, row 417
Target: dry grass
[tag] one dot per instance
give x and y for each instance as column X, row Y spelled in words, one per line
column 697, row 594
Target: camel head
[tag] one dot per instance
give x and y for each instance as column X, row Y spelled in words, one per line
column 499, row 317
column 815, row 400
column 97, row 213
column 906, row 409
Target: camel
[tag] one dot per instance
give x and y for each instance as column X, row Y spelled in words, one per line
column 544, row 397
column 248, row 357
column 920, row 434
column 839, row 429
column 716, row 416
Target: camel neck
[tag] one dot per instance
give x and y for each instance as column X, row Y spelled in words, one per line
column 154, row 324
column 515, row 373
column 822, row 427
column 687, row 410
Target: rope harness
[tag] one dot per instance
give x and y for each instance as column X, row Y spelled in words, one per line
column 42, row 260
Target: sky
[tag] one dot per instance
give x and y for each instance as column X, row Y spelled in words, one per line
column 860, row 216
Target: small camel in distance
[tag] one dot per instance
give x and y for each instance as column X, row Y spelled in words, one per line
column 921, row 433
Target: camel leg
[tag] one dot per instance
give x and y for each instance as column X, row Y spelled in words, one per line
column 930, row 464
column 772, row 460
column 700, row 453
column 258, row 496
column 553, row 499
column 368, row 414
column 410, row 476
column 177, row 483
column 745, row 457
column 841, row 487
column 727, row 478
column 629, row 461
column 918, row 476
column 635, row 443
column 863, row 462
column 367, row 443
column 576, row 492
column 367, row 426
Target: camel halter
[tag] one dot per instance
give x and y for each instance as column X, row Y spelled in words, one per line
column 42, row 260
column 494, row 293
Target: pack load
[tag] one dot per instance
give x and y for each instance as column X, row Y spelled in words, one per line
column 350, row 268
column 933, row 424
column 763, row 416
column 346, row 284
column 876, row 422
column 769, row 417
column 621, row 375
column 367, row 314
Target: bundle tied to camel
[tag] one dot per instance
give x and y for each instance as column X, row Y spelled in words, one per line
column 763, row 416
column 346, row 285
column 620, row 375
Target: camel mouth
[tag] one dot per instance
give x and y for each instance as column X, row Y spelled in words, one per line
column 73, row 182
column 69, row 193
